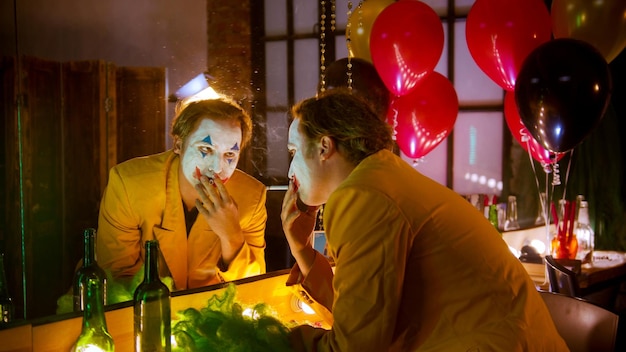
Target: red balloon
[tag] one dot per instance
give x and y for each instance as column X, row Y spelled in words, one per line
column 521, row 134
column 406, row 42
column 424, row 117
column 501, row 34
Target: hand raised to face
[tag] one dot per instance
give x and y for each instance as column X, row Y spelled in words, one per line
column 219, row 209
column 298, row 220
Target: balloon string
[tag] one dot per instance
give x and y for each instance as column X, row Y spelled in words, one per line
column 569, row 165
column 544, row 201
column 546, row 167
column 532, row 164
column 544, row 209
column 395, row 123
column 556, row 177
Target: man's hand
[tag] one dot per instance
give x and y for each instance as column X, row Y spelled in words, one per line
column 298, row 226
column 222, row 214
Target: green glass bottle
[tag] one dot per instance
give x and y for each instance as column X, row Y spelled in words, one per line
column 94, row 335
column 88, row 271
column 152, row 310
column 493, row 216
column 6, row 304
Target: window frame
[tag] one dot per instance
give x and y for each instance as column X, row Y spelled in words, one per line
column 260, row 107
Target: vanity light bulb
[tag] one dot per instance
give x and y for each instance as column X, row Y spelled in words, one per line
column 298, row 306
column 538, row 245
column 306, row 309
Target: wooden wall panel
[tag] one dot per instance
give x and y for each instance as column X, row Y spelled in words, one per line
column 42, row 153
column 54, row 169
column 141, row 111
column 85, row 166
column 10, row 231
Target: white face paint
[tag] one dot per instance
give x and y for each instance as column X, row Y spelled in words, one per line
column 304, row 169
column 212, row 149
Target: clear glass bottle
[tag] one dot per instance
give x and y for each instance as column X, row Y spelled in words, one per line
column 6, row 304
column 584, row 234
column 152, row 312
column 510, row 223
column 94, row 335
column 88, row 271
column 542, row 208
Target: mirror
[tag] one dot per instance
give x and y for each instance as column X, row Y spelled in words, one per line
column 85, row 86
column 61, row 55
column 47, row 200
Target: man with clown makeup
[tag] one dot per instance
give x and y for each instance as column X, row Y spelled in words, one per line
column 208, row 216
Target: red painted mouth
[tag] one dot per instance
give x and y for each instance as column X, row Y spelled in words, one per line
column 295, row 184
column 197, row 175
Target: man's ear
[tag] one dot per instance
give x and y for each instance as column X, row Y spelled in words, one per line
column 327, row 147
column 178, row 145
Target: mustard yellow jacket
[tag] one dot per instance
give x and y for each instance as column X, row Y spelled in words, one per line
column 142, row 201
column 417, row 268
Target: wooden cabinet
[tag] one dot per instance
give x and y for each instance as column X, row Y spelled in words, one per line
column 65, row 124
column 141, row 105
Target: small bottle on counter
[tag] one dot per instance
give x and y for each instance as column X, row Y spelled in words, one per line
column 510, row 223
column 579, row 198
column 152, row 312
column 94, row 335
column 6, row 304
column 584, row 234
column 90, row 270
column 491, row 211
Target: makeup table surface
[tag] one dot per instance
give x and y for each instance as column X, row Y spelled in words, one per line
column 607, row 272
column 607, row 269
column 58, row 333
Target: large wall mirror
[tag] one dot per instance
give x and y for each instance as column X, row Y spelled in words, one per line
column 86, row 85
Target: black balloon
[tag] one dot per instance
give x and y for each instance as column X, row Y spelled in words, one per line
column 562, row 92
column 366, row 83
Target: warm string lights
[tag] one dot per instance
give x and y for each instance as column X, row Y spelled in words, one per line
column 323, row 46
column 333, row 16
column 333, row 22
column 349, row 42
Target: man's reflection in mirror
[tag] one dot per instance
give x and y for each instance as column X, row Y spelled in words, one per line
column 208, row 216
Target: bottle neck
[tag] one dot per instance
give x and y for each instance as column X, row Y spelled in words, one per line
column 511, row 209
column 583, row 216
column 152, row 262
column 93, row 315
column 90, row 247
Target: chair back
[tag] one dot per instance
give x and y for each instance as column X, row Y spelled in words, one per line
column 583, row 325
column 562, row 280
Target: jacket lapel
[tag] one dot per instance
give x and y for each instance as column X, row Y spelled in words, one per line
column 172, row 235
